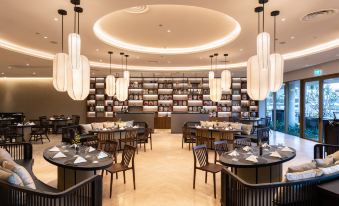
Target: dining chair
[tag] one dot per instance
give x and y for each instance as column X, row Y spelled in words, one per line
column 203, row 136
column 128, row 155
column 220, row 147
column 111, row 147
column 187, row 137
column 242, row 142
column 200, row 154
column 143, row 138
column 131, row 138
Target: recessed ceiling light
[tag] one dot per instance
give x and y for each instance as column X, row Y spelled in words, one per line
column 292, row 37
column 93, row 73
column 34, row 73
column 97, row 50
column 2, row 73
column 168, row 62
column 169, row 31
column 100, row 60
column 241, row 50
column 9, row 67
column 45, row 37
column 55, row 19
column 283, row 19
column 27, row 64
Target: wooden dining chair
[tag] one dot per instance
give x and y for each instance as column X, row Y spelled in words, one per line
column 111, row 147
column 143, row 138
column 105, row 136
column 130, row 138
column 200, row 154
column 203, row 136
column 187, row 137
column 128, row 155
column 220, row 147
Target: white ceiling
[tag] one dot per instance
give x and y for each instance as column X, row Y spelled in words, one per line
column 26, row 24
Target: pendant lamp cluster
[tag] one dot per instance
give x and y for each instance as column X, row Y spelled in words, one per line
column 218, row 85
column 71, row 71
column 122, row 83
column 264, row 70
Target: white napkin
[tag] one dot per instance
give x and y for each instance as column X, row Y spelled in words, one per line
column 286, row 149
column 104, row 129
column 31, row 123
column 136, row 126
column 210, row 128
column 234, row 153
column 102, row 155
column 79, row 160
column 19, row 124
column 275, row 154
column 91, row 149
column 252, row 158
column 246, row 148
column 198, row 127
column 74, row 146
column 265, row 145
column 54, row 149
column 59, row 155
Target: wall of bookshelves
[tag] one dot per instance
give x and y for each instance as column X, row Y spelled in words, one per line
column 167, row 95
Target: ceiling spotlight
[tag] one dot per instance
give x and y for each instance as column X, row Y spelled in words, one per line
column 283, row 19
column 168, row 62
column 27, row 64
column 2, row 73
column 45, row 37
column 34, row 73
column 9, row 67
column 168, row 31
column 241, row 50
column 97, row 50
column 100, row 60
column 292, row 37
column 55, row 19
column 93, row 73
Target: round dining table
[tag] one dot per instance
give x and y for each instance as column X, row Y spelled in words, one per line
column 71, row 173
column 266, row 169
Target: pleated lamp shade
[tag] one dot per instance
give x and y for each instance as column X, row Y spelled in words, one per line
column 110, row 85
column 126, row 75
column 121, row 89
column 74, row 49
column 78, row 80
column 276, row 72
column 257, row 80
column 60, row 66
column 226, row 80
column 263, row 50
column 215, row 90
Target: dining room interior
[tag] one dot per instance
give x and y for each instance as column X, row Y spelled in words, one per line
column 188, row 103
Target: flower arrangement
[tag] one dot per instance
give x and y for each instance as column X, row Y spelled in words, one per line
column 76, row 139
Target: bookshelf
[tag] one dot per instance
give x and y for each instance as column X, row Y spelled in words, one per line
column 167, row 95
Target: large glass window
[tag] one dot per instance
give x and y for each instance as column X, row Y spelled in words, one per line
column 311, row 119
column 330, row 98
column 280, row 109
column 293, row 105
column 269, row 108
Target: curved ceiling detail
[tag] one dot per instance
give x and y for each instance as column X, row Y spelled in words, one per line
column 158, row 31
column 288, row 56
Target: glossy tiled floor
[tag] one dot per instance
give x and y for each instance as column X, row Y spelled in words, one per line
column 164, row 175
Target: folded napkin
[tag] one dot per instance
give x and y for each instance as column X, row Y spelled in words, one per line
column 54, row 149
column 226, row 128
column 104, row 129
column 246, row 148
column 252, row 158
column 31, row 123
column 74, row 146
column 102, row 155
column 198, row 127
column 79, row 160
column 59, row 155
column 234, row 153
column 19, row 124
column 286, row 149
column 275, row 154
column 235, row 159
column 135, row 126
column 91, row 149
column 265, row 145
column 210, row 128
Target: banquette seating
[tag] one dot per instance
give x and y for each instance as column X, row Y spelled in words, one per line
column 87, row 192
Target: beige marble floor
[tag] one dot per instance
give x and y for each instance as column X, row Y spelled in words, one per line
column 164, row 175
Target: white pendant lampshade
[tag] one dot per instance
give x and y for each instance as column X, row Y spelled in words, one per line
column 110, row 85
column 276, row 72
column 78, row 80
column 60, row 65
column 210, row 77
column 226, row 80
column 121, row 89
column 263, row 50
column 74, row 49
column 126, row 75
column 257, row 80
column 215, row 90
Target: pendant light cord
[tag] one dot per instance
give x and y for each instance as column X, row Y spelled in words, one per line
column 78, row 22
column 258, row 22
column 110, row 63
column 75, row 20
column 211, row 62
column 263, row 17
column 275, row 32
column 62, row 33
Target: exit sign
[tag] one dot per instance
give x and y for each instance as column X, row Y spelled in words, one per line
column 317, row 72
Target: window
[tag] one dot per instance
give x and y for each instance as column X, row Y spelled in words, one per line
column 293, row 104
column 280, row 109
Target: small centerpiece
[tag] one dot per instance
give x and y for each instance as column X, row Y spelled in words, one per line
column 76, row 142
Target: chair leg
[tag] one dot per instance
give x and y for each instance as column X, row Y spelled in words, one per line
column 110, row 187
column 47, row 138
column 42, row 142
column 151, row 141
column 124, row 177
column 215, row 194
column 194, row 178
column 102, row 173
column 182, row 143
column 144, row 147
column 133, row 178
column 205, row 177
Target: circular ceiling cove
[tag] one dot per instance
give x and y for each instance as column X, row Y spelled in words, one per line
column 167, row 29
